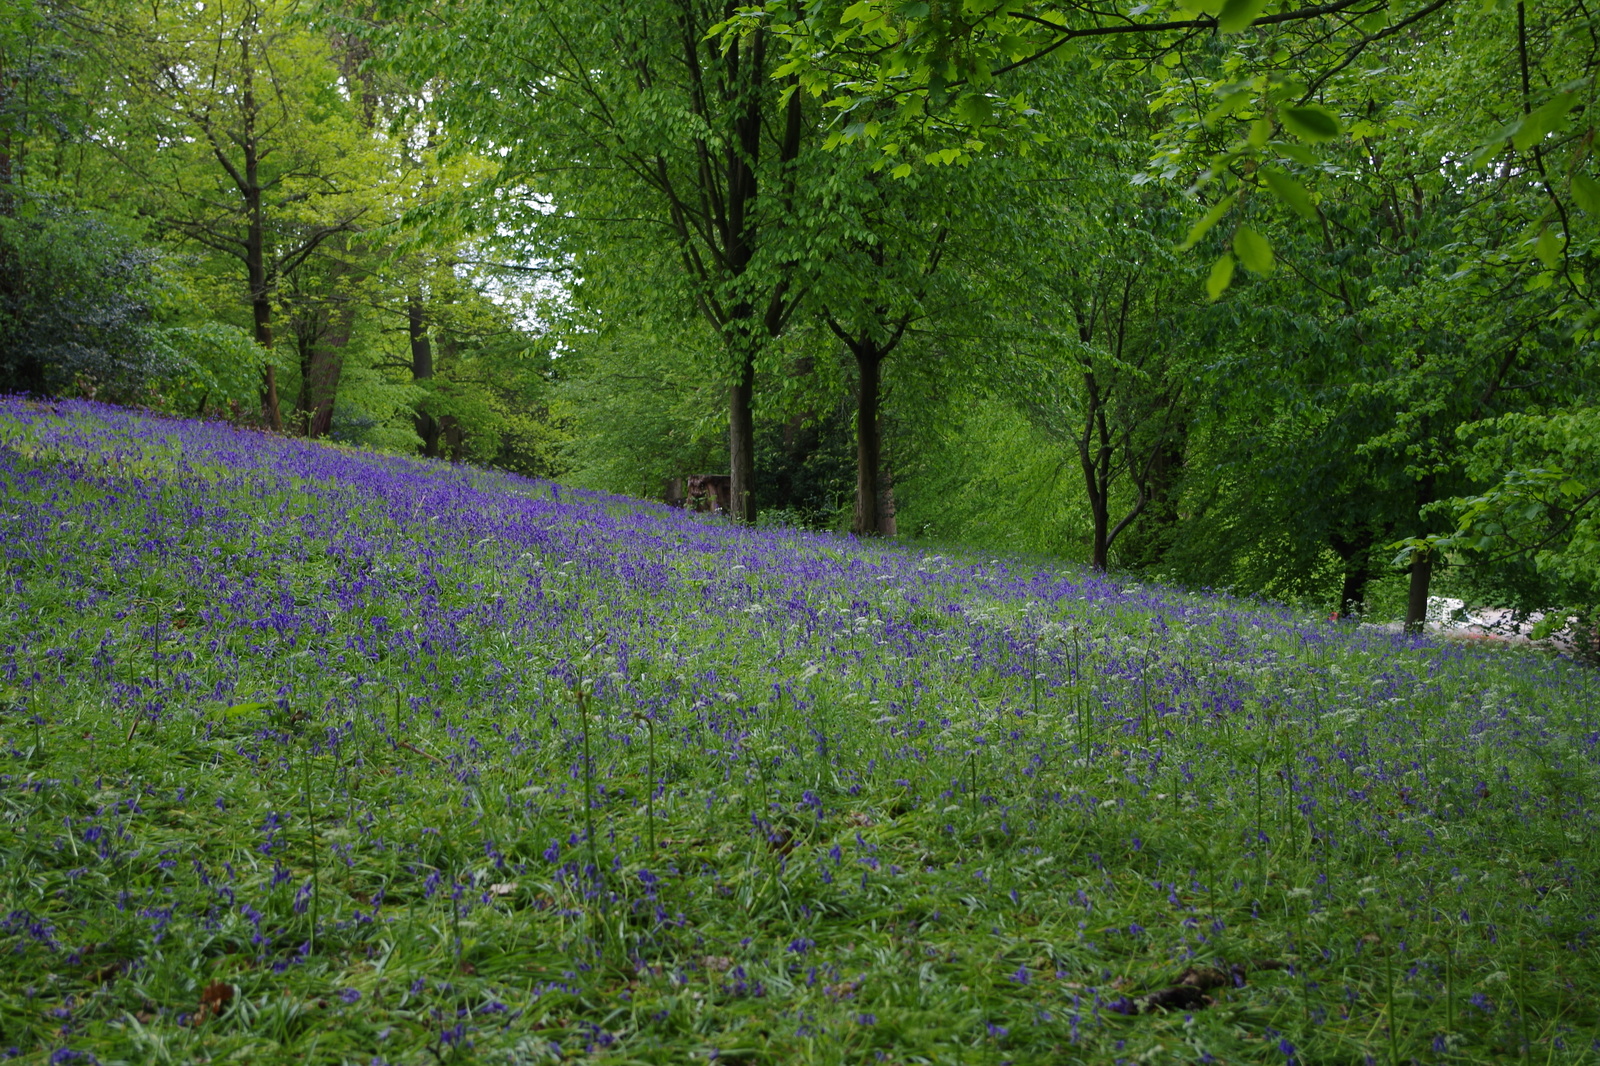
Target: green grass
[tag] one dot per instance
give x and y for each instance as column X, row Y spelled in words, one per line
column 304, row 757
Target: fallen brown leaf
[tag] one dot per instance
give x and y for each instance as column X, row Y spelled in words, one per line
column 214, row 999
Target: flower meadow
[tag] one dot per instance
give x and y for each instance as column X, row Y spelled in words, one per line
column 315, row 755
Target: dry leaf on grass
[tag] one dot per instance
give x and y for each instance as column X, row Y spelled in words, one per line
column 213, row 1001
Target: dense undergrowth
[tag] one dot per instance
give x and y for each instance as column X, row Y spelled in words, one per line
column 314, row 755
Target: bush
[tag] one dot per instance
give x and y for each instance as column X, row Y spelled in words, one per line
column 76, row 302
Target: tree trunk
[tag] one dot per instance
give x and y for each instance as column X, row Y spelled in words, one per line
column 256, row 246
column 327, row 367
column 1099, row 547
column 261, row 313
column 866, row 521
column 1417, row 594
column 1421, row 568
column 886, row 508
column 741, row 444
column 261, row 301
column 452, row 437
column 743, row 153
column 305, row 340
column 1356, row 553
column 1353, row 591
column 1094, row 456
column 422, row 370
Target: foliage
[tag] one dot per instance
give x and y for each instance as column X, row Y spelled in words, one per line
column 1531, row 539
column 77, row 306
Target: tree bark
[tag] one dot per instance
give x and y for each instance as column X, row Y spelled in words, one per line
column 452, row 439
column 743, row 154
column 1353, row 590
column 260, row 277
column 261, row 315
column 887, row 526
column 304, row 340
column 422, row 370
column 1094, row 456
column 327, row 367
column 867, row 519
column 1356, row 552
column 1100, row 542
column 1417, row 593
column 741, row 444
column 1421, row 568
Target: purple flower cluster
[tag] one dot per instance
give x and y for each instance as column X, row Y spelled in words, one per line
column 514, row 662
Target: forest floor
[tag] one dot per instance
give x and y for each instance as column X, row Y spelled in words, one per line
column 1451, row 619
column 314, row 755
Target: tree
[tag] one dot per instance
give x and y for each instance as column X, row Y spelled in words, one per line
column 643, row 134
column 1094, row 361
column 240, row 137
column 77, row 305
column 887, row 241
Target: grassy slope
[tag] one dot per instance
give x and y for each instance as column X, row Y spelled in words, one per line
column 298, row 770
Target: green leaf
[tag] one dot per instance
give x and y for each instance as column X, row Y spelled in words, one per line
column 1211, row 218
column 1221, row 276
column 1484, row 154
column 1311, row 123
column 857, row 12
column 1548, row 247
column 239, row 710
column 1290, row 192
column 1231, row 103
column 1238, row 14
column 901, row 171
column 975, row 110
column 1253, row 251
column 1298, row 152
column 1542, row 121
column 1586, row 191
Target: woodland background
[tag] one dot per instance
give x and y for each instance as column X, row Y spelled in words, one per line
column 1291, row 299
